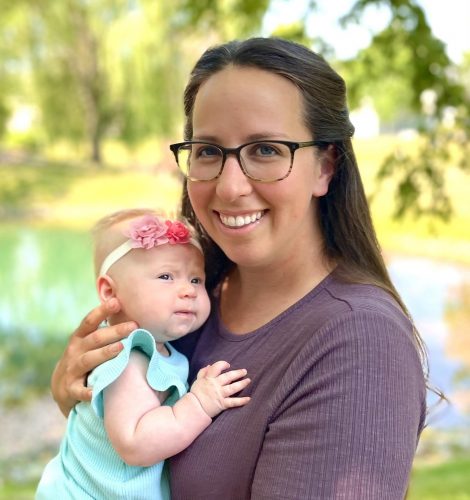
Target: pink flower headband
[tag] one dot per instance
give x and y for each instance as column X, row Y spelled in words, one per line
column 148, row 232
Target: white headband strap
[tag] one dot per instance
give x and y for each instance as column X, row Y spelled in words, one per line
column 115, row 255
column 126, row 247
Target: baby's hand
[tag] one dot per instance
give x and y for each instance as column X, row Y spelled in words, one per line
column 215, row 389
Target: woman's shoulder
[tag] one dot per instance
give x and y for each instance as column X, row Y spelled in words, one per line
column 363, row 300
column 359, row 317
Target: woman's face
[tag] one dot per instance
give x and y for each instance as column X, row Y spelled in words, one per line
column 274, row 221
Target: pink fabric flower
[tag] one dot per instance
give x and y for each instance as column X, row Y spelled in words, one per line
column 147, row 232
column 177, row 232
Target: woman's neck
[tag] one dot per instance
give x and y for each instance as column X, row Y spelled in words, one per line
column 251, row 297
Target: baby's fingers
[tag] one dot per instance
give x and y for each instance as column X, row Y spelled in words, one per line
column 217, row 368
column 235, row 402
column 235, row 387
column 202, row 372
column 231, row 376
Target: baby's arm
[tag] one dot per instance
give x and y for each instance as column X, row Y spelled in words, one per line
column 143, row 432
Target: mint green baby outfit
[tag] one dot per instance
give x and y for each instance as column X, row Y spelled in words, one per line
column 87, row 467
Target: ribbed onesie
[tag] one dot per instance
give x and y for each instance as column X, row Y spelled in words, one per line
column 87, row 466
column 338, row 403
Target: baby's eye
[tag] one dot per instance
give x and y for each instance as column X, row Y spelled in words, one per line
column 197, row 281
column 164, row 276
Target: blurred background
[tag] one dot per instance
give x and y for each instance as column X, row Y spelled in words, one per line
column 90, row 98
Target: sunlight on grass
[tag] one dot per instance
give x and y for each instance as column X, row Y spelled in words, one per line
column 91, row 198
column 411, row 236
column 445, row 481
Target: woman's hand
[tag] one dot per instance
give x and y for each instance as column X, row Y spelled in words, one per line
column 88, row 347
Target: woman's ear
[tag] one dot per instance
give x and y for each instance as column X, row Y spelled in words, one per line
column 326, row 170
column 106, row 287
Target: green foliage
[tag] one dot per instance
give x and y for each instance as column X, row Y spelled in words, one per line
column 22, row 185
column 113, row 67
column 116, row 69
column 4, row 114
column 406, row 52
column 295, row 32
column 9, row 490
column 227, row 18
column 419, row 180
column 26, row 365
column 410, row 78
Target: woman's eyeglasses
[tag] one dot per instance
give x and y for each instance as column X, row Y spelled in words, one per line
column 264, row 161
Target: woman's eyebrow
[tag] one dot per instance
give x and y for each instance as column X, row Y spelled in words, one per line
column 258, row 136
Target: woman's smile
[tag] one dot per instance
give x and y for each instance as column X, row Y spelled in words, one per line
column 240, row 220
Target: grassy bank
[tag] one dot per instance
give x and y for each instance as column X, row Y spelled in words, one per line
column 446, row 481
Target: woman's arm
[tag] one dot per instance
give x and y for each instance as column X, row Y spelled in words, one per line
column 143, row 432
column 88, row 347
column 349, row 423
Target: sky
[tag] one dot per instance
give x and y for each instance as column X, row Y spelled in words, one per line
column 449, row 21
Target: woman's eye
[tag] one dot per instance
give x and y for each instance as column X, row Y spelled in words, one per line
column 207, row 152
column 264, row 149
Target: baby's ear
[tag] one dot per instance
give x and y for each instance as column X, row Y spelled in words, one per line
column 105, row 287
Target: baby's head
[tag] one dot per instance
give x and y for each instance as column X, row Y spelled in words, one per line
column 155, row 268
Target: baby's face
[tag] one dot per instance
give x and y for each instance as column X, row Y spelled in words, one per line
column 163, row 289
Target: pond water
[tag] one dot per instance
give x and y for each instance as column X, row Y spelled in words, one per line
column 47, row 285
column 438, row 297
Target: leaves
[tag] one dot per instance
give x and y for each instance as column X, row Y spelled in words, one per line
column 411, row 80
column 113, row 67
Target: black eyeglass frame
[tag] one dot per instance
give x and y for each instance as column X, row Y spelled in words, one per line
column 293, row 146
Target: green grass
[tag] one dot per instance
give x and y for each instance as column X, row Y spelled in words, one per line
column 435, row 239
column 446, row 481
column 14, row 491
column 449, row 480
column 62, row 194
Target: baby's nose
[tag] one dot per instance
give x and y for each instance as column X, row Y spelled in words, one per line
column 187, row 290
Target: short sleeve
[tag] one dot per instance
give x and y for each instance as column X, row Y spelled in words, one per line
column 163, row 372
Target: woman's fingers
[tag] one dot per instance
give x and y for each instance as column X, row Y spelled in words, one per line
column 96, row 316
column 88, row 347
column 102, row 337
column 78, row 392
column 90, row 359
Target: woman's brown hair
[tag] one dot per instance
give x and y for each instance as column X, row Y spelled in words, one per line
column 344, row 216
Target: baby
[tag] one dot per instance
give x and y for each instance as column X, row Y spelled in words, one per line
column 141, row 411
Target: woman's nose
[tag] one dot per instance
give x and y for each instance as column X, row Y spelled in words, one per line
column 232, row 182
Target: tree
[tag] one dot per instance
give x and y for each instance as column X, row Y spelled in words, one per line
column 406, row 64
column 118, row 67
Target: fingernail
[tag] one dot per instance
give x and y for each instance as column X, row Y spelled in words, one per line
column 116, row 347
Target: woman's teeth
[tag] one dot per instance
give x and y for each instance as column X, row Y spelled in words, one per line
column 240, row 220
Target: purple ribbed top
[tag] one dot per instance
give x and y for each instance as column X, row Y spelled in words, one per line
column 338, row 403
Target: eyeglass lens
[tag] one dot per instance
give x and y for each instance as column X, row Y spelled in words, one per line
column 266, row 161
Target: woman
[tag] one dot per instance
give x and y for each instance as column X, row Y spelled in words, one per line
column 301, row 295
